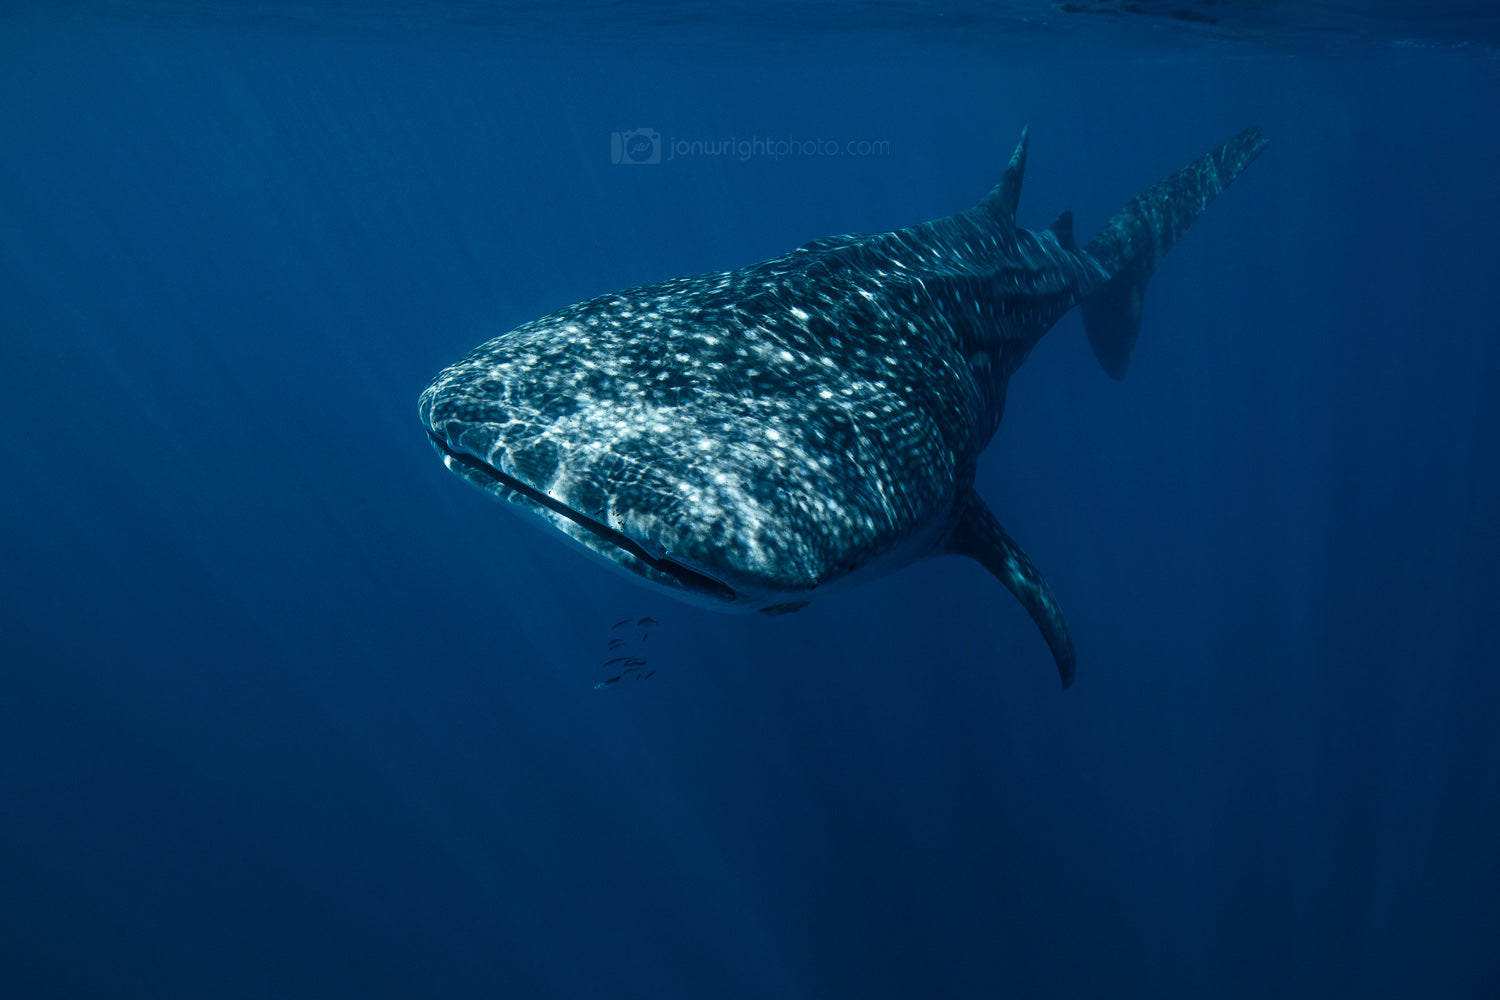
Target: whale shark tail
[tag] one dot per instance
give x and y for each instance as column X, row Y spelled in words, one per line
column 1139, row 236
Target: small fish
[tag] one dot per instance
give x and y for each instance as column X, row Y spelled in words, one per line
column 607, row 680
column 622, row 621
column 616, row 643
column 630, row 661
column 647, row 621
column 619, row 659
column 644, row 677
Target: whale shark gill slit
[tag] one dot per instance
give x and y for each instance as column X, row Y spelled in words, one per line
column 689, row 579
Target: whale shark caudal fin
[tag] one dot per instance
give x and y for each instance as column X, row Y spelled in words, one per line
column 978, row 535
column 1139, row 236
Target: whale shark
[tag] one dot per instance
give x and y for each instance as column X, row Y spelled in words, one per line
column 751, row 439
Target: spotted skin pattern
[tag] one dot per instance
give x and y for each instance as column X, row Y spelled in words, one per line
column 749, row 437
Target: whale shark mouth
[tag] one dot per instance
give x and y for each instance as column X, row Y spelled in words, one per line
column 484, row 474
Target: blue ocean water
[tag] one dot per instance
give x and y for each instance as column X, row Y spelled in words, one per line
column 287, row 710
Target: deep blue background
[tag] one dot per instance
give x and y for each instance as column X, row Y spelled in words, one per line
column 287, row 710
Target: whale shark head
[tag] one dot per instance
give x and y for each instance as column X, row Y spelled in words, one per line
column 687, row 449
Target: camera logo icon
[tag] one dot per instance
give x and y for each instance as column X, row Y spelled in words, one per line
column 639, row 145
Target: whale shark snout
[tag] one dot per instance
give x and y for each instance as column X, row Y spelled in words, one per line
column 633, row 555
column 690, row 494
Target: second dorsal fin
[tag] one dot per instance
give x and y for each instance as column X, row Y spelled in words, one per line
column 1063, row 230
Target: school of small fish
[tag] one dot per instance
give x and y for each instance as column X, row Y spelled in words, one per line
column 627, row 665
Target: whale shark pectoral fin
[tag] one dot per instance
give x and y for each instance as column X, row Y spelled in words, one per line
column 978, row 535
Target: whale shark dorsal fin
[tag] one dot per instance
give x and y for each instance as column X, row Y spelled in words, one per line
column 978, row 535
column 1002, row 201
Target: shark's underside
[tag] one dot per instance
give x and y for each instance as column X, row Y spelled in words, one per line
column 749, row 438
